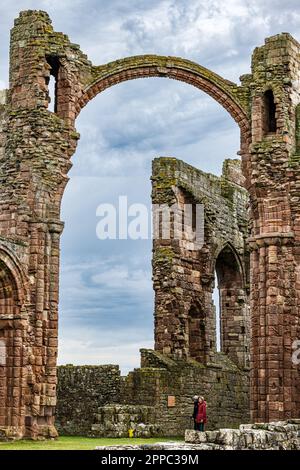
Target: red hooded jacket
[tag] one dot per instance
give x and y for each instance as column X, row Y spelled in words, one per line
column 201, row 415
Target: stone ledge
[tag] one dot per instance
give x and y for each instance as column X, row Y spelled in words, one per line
column 271, row 238
column 284, row 435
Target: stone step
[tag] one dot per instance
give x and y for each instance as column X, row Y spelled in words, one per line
column 283, row 435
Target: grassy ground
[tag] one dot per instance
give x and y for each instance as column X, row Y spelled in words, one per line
column 76, row 443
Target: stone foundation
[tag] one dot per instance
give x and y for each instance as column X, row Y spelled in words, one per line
column 281, row 435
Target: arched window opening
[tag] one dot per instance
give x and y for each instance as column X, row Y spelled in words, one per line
column 269, row 117
column 233, row 317
column 188, row 213
column 52, row 82
column 197, row 336
column 51, row 93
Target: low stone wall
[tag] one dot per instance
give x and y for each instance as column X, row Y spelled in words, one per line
column 282, row 435
column 119, row 420
column 81, row 390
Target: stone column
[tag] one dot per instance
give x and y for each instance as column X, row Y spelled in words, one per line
column 35, row 163
column 275, row 306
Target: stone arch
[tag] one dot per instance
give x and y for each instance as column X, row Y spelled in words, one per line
column 234, row 310
column 233, row 98
column 12, row 264
column 12, row 341
column 223, row 91
column 226, row 93
column 229, row 247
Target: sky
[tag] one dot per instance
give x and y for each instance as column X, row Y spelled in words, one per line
column 106, row 297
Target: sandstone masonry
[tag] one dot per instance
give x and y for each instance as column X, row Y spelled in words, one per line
column 36, row 146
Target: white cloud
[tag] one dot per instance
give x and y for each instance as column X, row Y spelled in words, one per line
column 89, row 282
column 121, row 278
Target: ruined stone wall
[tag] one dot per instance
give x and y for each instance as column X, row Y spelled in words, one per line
column 121, row 419
column 222, row 383
column 95, row 401
column 81, row 390
column 281, row 435
column 184, row 273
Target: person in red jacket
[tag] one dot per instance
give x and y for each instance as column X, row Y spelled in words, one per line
column 201, row 414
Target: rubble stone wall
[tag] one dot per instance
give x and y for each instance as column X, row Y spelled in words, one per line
column 282, row 435
column 81, row 391
column 95, row 401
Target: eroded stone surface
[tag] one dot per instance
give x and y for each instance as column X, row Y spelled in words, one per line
column 35, row 150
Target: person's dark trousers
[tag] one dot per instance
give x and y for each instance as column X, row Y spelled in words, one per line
column 195, row 426
column 199, row 427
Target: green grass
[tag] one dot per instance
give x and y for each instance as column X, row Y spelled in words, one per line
column 77, row 443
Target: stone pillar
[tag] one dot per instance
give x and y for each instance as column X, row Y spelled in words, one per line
column 35, row 161
column 275, row 210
